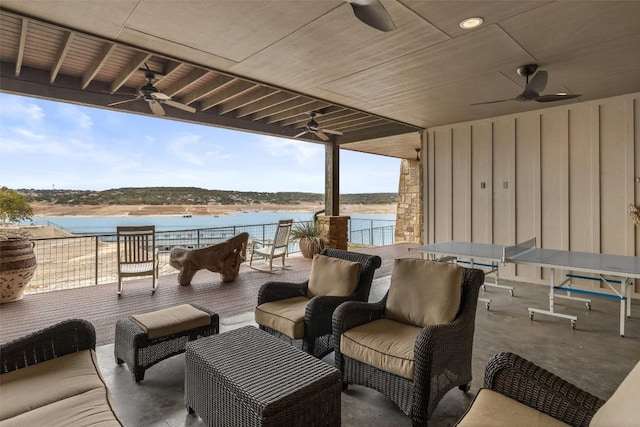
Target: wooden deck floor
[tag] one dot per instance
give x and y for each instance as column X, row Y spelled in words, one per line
column 101, row 306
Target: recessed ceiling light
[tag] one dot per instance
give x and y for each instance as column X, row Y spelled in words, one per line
column 470, row 23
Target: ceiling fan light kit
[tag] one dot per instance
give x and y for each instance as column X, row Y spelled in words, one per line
column 533, row 87
column 149, row 93
column 314, row 128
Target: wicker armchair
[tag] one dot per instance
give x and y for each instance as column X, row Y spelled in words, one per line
column 441, row 355
column 526, row 383
column 319, row 309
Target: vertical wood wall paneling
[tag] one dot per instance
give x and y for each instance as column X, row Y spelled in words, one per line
column 554, row 180
column 481, row 205
column 572, row 178
column 443, row 185
column 461, row 146
column 503, row 177
column 614, row 153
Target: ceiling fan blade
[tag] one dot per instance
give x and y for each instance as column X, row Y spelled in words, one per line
column 556, row 97
column 156, row 108
column 160, row 96
column 123, row 102
column 179, row 105
column 300, row 134
column 372, row 13
column 321, row 135
column 493, row 102
column 537, row 83
column 332, row 132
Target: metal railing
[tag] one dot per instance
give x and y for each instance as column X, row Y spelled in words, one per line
column 78, row 261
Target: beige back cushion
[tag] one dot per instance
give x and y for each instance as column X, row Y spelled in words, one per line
column 623, row 408
column 424, row 292
column 333, row 277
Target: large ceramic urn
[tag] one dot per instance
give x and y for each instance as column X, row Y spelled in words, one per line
column 309, row 246
column 17, row 265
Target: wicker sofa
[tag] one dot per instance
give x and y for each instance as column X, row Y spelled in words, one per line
column 516, row 390
column 51, row 378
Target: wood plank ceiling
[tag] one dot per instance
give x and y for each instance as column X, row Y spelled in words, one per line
column 45, row 60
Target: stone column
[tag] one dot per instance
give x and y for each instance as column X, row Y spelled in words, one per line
column 335, row 231
column 409, row 211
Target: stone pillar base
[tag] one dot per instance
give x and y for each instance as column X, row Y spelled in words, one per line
column 335, row 231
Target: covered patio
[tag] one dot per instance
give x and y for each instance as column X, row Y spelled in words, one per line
column 593, row 356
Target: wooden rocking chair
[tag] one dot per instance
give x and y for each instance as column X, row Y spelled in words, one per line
column 137, row 254
column 273, row 249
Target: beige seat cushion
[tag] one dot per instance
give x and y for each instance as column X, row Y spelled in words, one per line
column 89, row 409
column 44, row 383
column 285, row 316
column 172, row 320
column 492, row 409
column 385, row 344
column 424, row 292
column 333, row 277
column 623, row 407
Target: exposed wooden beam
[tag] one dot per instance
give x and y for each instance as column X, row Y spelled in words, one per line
column 62, row 53
column 314, row 105
column 256, row 94
column 188, row 80
column 270, row 101
column 170, row 68
column 136, row 62
column 283, row 106
column 366, row 122
column 98, row 62
column 384, row 130
column 343, row 119
column 238, row 88
column 302, row 120
column 217, row 83
column 21, row 45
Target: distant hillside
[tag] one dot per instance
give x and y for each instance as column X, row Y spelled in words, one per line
column 191, row 196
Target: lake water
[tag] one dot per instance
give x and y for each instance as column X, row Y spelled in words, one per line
column 108, row 224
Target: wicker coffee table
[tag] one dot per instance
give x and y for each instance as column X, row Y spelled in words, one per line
column 247, row 377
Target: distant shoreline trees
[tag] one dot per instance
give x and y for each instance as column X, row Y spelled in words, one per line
column 190, row 196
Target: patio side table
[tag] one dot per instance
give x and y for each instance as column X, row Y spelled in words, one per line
column 246, row 377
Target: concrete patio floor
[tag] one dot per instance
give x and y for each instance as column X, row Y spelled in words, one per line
column 593, row 356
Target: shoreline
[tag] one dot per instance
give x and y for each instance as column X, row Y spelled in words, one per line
column 52, row 210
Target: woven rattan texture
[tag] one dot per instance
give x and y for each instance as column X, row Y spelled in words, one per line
column 247, row 377
column 317, row 319
column 442, row 358
column 133, row 346
column 519, row 379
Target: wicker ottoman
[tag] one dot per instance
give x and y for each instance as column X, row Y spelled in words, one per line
column 144, row 340
column 247, row 377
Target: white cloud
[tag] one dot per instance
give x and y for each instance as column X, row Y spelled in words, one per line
column 21, row 108
column 76, row 116
column 298, row 151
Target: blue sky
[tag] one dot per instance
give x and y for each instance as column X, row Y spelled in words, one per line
column 46, row 145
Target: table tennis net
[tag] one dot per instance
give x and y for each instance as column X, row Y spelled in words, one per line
column 510, row 252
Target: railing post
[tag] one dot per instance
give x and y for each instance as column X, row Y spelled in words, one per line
column 96, row 270
column 371, row 228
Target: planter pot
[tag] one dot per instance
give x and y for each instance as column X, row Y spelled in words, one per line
column 17, row 265
column 310, row 247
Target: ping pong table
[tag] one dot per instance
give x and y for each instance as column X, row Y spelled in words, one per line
column 613, row 270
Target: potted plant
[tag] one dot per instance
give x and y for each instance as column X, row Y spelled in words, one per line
column 308, row 237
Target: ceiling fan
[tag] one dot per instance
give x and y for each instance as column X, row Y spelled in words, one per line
column 372, row 13
column 313, row 128
column 154, row 97
column 533, row 88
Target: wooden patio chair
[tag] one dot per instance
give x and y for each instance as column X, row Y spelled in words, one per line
column 268, row 250
column 137, row 254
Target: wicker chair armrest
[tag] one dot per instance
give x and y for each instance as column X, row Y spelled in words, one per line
column 350, row 314
column 275, row 291
column 63, row 338
column 319, row 313
column 521, row 380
